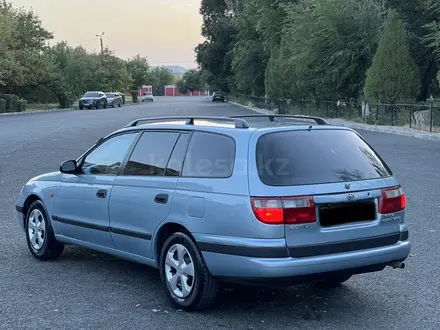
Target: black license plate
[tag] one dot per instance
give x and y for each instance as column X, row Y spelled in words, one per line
column 344, row 213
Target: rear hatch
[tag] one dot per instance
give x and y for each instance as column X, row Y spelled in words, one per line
column 331, row 191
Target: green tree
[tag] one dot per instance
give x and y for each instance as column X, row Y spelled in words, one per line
column 161, row 75
column 138, row 67
column 112, row 73
column 327, row 46
column 193, row 80
column 22, row 43
column 181, row 86
column 419, row 17
column 394, row 75
column 75, row 66
column 215, row 54
column 250, row 56
column 433, row 37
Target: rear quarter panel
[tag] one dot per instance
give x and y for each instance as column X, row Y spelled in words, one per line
column 219, row 208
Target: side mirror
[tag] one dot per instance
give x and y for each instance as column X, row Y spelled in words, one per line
column 68, row 167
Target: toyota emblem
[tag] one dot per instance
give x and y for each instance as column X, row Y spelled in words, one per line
column 350, row 196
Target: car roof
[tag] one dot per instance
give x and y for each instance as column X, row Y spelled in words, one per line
column 233, row 126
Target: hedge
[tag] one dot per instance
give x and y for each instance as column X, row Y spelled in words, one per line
column 21, row 106
column 11, row 102
column 2, row 105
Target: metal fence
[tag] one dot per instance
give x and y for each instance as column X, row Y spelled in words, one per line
column 420, row 116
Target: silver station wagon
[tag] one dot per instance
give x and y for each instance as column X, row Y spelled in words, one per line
column 247, row 199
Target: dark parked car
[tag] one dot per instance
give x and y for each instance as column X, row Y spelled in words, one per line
column 218, row 96
column 93, row 100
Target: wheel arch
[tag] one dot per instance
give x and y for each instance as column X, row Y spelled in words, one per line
column 28, row 202
column 164, row 231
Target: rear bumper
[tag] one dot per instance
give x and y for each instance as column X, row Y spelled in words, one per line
column 245, row 268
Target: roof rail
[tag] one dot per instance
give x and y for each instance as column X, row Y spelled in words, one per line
column 318, row 120
column 239, row 123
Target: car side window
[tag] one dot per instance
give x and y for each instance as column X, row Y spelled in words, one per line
column 151, row 154
column 107, row 158
column 209, row 155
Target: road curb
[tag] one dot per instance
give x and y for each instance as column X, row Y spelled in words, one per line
column 396, row 130
column 54, row 111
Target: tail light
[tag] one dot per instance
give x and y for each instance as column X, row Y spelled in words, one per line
column 392, row 200
column 285, row 210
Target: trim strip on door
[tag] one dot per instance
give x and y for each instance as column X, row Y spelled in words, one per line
column 80, row 223
column 131, row 233
column 114, row 230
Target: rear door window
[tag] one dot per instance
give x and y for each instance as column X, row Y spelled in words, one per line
column 151, row 154
column 292, row 158
column 209, row 155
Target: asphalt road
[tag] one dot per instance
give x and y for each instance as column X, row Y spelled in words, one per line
column 88, row 290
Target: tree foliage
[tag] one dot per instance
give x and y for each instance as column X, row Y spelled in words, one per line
column 29, row 67
column 181, row 86
column 192, row 80
column 311, row 48
column 215, row 54
column 22, row 43
column 138, row 67
column 394, row 74
column 161, row 75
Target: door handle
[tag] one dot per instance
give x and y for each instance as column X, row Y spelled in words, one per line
column 101, row 193
column 161, row 198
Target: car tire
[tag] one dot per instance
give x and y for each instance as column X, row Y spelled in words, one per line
column 40, row 238
column 333, row 282
column 201, row 288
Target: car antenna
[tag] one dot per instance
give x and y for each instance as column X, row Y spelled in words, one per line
column 310, row 127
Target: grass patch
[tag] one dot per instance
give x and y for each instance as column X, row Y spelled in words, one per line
column 39, row 106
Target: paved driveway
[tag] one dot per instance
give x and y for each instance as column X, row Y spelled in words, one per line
column 87, row 290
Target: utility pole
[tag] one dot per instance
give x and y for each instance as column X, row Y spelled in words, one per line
column 102, row 44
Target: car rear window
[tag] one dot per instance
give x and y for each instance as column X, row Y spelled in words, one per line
column 292, row 158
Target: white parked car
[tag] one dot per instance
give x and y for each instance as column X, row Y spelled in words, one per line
column 147, row 97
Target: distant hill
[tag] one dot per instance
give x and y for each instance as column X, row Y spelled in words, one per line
column 177, row 70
